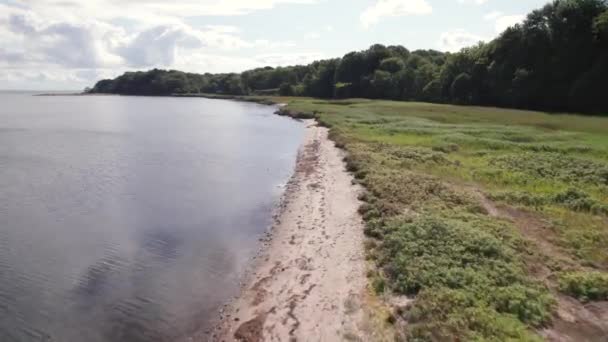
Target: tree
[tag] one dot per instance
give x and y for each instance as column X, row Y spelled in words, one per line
column 588, row 93
column 321, row 82
column 392, row 64
column 461, row 89
column 556, row 60
column 432, row 91
column 286, row 89
column 383, row 85
column 600, row 28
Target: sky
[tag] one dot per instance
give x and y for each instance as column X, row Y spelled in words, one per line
column 70, row 44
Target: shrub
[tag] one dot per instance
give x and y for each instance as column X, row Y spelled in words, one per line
column 585, row 286
column 473, row 255
column 575, row 199
column 447, row 148
column 286, row 89
column 555, row 166
column 455, row 315
column 523, row 198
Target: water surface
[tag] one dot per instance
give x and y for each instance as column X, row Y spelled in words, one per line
column 131, row 218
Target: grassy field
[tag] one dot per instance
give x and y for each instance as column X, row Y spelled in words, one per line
column 488, row 217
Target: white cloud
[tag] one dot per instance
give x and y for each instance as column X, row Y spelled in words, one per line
column 473, row 2
column 76, row 42
column 223, row 28
column 501, row 21
column 199, row 61
column 208, row 7
column 505, row 21
column 98, row 45
column 37, row 42
column 285, row 59
column 151, row 10
column 318, row 34
column 393, row 8
column 492, row 15
column 455, row 40
column 157, row 46
column 312, row 35
column 267, row 44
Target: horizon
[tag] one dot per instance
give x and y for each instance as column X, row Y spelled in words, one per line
column 50, row 46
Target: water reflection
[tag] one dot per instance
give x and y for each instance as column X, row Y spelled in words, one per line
column 129, row 218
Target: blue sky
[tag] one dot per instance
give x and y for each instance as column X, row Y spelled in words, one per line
column 68, row 44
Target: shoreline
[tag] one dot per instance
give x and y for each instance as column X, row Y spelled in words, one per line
column 308, row 278
column 324, row 291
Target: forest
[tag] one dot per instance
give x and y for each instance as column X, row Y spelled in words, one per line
column 556, row 60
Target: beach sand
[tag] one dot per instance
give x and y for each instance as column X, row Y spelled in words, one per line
column 309, row 283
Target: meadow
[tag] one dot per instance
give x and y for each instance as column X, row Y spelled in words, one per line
column 490, row 219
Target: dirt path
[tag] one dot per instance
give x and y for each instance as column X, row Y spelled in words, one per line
column 310, row 282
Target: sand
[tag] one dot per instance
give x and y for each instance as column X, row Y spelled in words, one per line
column 309, row 283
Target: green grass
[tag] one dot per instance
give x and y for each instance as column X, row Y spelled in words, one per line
column 423, row 166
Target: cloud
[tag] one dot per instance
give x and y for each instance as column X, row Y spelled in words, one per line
column 473, row 2
column 285, row 59
column 318, row 34
column 157, row 46
column 492, row 15
column 455, row 40
column 505, row 21
column 312, row 36
column 501, row 21
column 20, row 24
column 151, row 10
column 267, row 44
column 199, row 61
column 60, row 42
column 393, row 8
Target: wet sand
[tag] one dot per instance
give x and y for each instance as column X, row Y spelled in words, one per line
column 309, row 282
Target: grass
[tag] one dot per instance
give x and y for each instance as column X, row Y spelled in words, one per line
column 424, row 167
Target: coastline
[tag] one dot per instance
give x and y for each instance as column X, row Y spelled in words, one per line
column 309, row 277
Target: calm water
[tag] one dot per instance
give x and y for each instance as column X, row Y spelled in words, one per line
column 131, row 218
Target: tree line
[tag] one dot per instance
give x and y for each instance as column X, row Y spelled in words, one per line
column 556, row 60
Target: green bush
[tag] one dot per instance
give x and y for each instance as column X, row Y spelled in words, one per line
column 586, row 286
column 444, row 314
column 523, row 198
column 579, row 200
column 286, row 89
column 470, row 254
column 556, row 166
column 573, row 199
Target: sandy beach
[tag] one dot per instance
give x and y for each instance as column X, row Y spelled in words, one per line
column 309, row 283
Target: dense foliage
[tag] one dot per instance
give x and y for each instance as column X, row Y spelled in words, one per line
column 585, row 286
column 162, row 82
column 556, row 60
